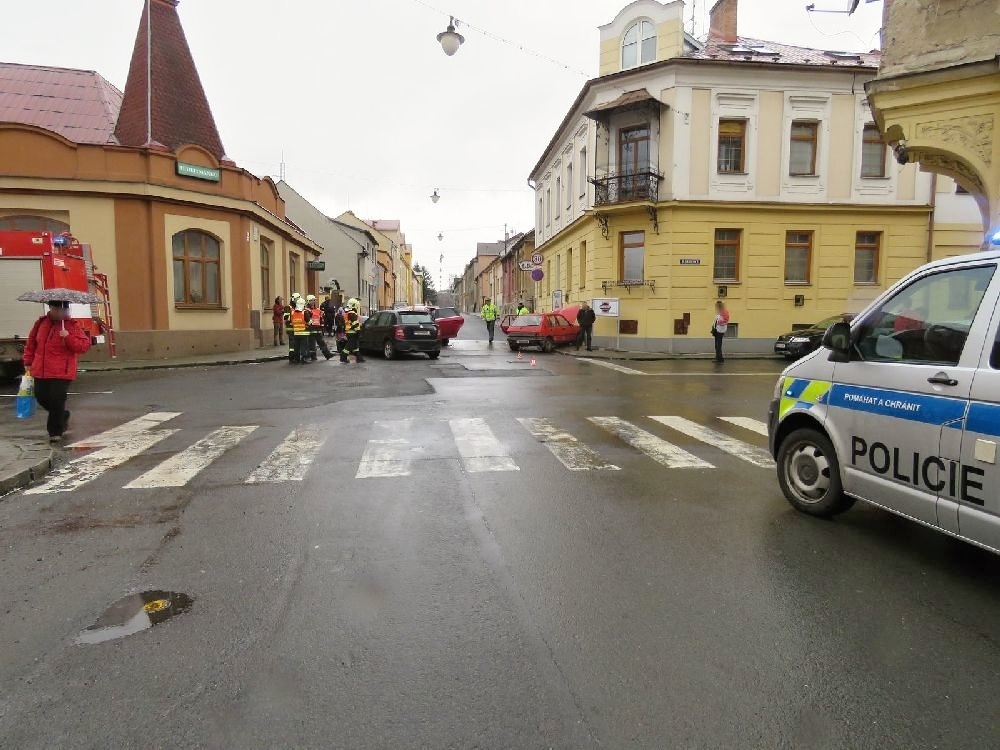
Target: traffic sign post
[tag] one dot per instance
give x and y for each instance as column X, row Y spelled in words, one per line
column 536, row 259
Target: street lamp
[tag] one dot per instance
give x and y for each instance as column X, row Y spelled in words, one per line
column 434, row 196
column 450, row 39
column 440, row 236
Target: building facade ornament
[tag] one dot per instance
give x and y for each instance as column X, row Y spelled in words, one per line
column 972, row 133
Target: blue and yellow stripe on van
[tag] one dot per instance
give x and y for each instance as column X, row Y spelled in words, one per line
column 802, row 393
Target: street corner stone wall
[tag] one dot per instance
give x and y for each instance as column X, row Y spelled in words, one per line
column 154, row 345
column 920, row 35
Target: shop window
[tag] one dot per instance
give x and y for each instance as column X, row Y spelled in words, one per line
column 633, row 256
column 732, row 146
column 30, row 223
column 866, row 257
column 873, row 152
column 802, row 148
column 798, row 257
column 197, row 266
column 726, row 264
column 638, row 44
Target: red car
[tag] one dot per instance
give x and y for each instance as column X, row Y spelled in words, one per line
column 449, row 322
column 544, row 330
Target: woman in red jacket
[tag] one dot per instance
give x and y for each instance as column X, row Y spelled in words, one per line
column 50, row 356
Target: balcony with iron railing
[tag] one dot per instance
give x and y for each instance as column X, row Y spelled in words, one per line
column 614, row 188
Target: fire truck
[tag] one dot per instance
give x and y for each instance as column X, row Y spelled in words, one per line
column 32, row 260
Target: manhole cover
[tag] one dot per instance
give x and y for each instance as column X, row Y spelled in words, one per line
column 133, row 614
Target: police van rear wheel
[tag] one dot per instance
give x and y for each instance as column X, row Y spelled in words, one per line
column 809, row 474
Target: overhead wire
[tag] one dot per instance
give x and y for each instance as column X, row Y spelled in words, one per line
column 503, row 40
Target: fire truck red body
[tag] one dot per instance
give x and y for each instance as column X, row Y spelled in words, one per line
column 32, row 260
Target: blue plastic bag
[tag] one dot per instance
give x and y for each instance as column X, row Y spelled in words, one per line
column 25, row 401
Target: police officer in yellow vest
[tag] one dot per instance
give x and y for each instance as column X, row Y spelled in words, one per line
column 352, row 326
column 489, row 312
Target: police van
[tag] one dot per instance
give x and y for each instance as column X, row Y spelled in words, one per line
column 901, row 407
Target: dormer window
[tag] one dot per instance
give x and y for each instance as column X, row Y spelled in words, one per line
column 639, row 44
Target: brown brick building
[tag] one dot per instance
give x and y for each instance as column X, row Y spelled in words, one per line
column 195, row 247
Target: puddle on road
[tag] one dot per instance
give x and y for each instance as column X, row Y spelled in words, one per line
column 133, row 614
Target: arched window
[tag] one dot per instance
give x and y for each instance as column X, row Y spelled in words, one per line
column 33, row 223
column 638, row 44
column 197, row 264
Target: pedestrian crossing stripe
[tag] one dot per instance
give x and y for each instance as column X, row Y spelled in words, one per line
column 389, row 450
column 571, row 453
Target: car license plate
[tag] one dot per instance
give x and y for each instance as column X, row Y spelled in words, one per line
column 421, row 333
column 523, row 341
column 779, row 345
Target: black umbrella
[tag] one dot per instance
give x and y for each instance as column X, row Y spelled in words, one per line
column 60, row 295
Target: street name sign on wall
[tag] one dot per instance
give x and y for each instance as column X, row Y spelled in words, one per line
column 606, row 307
column 315, row 265
column 690, row 261
column 199, row 173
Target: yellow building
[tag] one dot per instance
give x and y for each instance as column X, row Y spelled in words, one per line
column 737, row 169
column 937, row 94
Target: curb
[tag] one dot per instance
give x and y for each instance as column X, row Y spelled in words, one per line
column 166, row 364
column 663, row 357
column 26, row 476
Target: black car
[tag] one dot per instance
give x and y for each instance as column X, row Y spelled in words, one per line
column 395, row 332
column 799, row 343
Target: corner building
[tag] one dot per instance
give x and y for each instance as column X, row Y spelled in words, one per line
column 194, row 247
column 737, row 169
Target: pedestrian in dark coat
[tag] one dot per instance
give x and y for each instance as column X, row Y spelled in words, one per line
column 50, row 357
column 585, row 319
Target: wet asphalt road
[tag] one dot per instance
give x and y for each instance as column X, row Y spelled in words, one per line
column 534, row 607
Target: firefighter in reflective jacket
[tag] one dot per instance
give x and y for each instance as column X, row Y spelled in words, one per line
column 316, row 326
column 300, row 317
column 352, row 326
column 340, row 331
column 287, row 318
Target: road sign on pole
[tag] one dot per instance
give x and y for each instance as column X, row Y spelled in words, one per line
column 525, row 265
column 536, row 259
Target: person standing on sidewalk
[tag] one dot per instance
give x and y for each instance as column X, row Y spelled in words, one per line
column 278, row 321
column 719, row 327
column 50, row 357
column 489, row 312
column 585, row 319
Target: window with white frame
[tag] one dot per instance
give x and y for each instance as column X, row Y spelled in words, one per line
column 548, row 206
column 558, row 194
column 803, row 147
column 569, row 187
column 873, row 152
column 583, row 171
column 638, row 44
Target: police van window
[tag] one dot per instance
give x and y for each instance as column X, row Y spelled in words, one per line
column 995, row 353
column 928, row 321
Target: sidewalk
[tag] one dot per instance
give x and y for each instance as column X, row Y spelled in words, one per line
column 25, row 453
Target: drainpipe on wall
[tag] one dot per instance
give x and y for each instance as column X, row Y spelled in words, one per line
column 930, row 221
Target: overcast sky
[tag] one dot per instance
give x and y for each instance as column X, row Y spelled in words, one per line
column 366, row 110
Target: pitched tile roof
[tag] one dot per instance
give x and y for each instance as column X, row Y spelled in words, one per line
column 384, row 225
column 79, row 105
column 180, row 110
column 760, row 51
